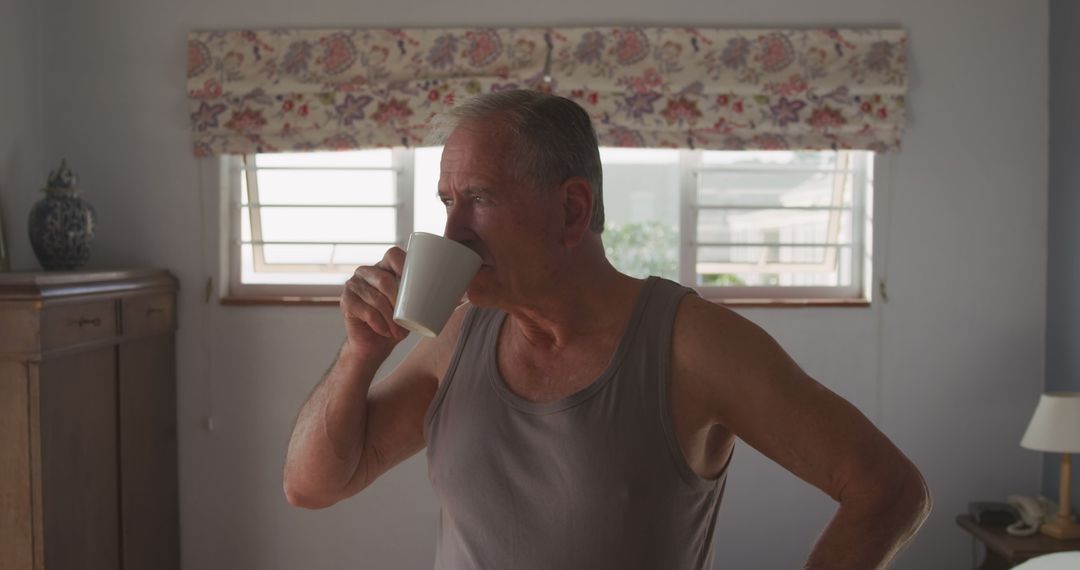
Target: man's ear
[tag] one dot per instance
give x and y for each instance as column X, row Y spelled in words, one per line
column 577, row 198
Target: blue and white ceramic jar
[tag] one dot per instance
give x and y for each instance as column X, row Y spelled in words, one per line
column 62, row 224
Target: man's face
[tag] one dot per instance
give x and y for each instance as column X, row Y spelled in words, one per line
column 514, row 227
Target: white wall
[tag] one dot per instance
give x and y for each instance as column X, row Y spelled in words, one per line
column 21, row 140
column 949, row 367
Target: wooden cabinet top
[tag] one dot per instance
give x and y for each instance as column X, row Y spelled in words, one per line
column 42, row 286
column 43, row 314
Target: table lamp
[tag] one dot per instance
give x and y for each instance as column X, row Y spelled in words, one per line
column 1055, row 428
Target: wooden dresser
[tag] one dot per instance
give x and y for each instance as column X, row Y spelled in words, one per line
column 88, row 446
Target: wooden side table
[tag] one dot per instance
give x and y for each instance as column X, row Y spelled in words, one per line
column 1004, row 550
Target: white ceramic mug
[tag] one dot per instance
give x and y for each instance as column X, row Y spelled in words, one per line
column 437, row 273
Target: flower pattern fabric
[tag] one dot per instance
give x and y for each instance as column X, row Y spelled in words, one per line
column 736, row 89
column 302, row 90
column 296, row 90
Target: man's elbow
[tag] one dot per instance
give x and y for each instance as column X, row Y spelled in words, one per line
column 922, row 500
column 910, row 495
column 304, row 498
column 897, row 493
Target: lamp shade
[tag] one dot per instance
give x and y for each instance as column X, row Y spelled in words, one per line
column 1055, row 426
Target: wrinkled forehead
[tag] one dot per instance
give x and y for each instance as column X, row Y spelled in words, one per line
column 477, row 147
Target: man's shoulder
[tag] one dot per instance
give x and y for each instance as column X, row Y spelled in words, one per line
column 701, row 320
column 710, row 339
column 717, row 359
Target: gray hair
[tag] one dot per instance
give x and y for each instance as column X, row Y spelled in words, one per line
column 553, row 138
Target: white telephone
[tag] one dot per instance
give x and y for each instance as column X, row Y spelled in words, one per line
column 1033, row 512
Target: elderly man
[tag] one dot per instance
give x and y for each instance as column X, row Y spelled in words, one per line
column 575, row 417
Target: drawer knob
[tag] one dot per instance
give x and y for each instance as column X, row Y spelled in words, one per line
column 155, row 311
column 83, row 321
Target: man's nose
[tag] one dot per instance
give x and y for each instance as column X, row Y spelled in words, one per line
column 458, row 224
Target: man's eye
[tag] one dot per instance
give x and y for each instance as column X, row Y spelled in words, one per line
column 472, row 198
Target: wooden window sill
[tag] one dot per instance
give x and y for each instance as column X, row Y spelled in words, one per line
column 291, row 301
column 791, row 303
column 300, row 301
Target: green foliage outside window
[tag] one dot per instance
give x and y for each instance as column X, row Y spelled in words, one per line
column 641, row 249
column 722, row 280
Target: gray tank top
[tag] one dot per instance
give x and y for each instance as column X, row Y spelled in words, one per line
column 593, row 481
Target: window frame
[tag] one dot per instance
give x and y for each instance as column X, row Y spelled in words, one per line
column 691, row 169
column 243, row 166
column 859, row 293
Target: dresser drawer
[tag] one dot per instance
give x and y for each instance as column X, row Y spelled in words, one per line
column 147, row 314
column 66, row 325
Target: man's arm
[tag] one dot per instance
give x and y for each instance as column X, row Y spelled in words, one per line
column 752, row 388
column 350, row 432
column 333, row 452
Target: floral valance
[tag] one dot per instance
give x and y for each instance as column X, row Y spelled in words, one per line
column 288, row 90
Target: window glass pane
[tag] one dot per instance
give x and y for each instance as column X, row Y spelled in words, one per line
column 249, row 276
column 245, row 224
column 319, row 254
column 429, row 212
column 326, row 187
column 762, row 255
column 770, row 206
column 641, row 211
column 247, row 266
column 770, row 158
column 772, row 225
column 376, row 158
column 844, row 273
column 328, row 224
column 611, row 156
column 785, row 200
column 357, row 255
column 765, row 188
column 787, row 260
column 773, row 266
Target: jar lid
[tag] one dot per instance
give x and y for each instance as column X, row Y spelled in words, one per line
column 63, row 177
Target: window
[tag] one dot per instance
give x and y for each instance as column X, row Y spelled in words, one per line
column 765, row 225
